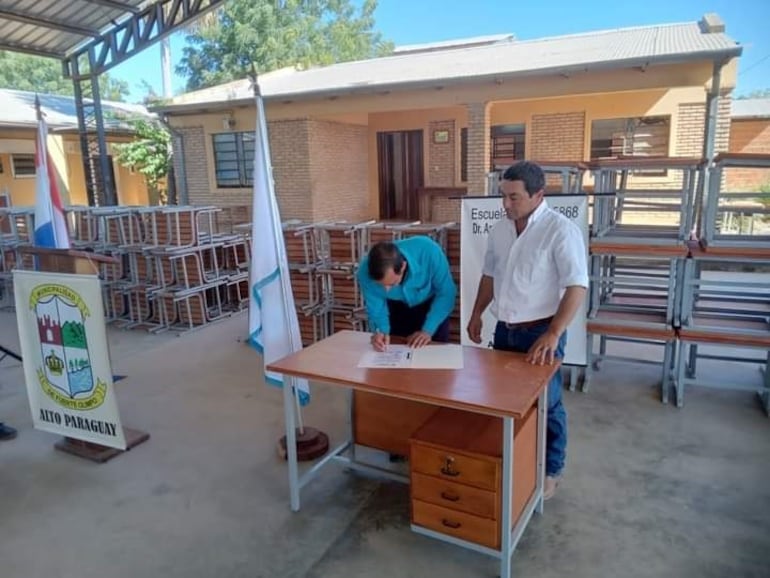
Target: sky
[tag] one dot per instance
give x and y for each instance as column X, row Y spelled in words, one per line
column 419, row 21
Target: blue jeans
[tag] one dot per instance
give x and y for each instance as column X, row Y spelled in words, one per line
column 521, row 340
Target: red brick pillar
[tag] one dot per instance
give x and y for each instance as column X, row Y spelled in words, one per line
column 478, row 147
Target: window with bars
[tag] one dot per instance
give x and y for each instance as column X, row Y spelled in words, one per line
column 507, row 144
column 630, row 137
column 23, row 166
column 234, row 159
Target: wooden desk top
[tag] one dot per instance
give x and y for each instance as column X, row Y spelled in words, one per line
column 70, row 254
column 497, row 383
column 703, row 251
column 669, row 249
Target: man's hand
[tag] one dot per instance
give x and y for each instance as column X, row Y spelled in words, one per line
column 474, row 328
column 543, row 350
column 418, row 339
column 380, row 341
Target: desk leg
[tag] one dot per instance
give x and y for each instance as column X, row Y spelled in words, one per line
column 542, row 431
column 351, row 424
column 505, row 519
column 291, row 442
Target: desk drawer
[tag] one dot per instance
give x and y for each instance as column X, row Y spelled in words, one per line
column 454, row 496
column 455, row 467
column 458, row 524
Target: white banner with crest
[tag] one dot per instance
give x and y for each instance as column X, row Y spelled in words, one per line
column 66, row 360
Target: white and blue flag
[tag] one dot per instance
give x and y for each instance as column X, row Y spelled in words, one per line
column 273, row 325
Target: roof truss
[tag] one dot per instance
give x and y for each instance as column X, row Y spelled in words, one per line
column 134, row 34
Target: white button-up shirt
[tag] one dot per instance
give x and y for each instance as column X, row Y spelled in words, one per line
column 532, row 270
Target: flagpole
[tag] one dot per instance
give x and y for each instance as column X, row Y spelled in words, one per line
column 282, row 259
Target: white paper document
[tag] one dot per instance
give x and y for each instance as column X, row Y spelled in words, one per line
column 448, row 356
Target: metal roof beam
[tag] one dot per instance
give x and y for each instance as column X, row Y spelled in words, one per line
column 11, row 47
column 135, row 33
column 114, row 4
column 54, row 25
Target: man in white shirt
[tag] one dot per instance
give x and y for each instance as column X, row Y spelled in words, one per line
column 535, row 275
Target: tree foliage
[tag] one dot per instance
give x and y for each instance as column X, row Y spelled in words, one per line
column 274, row 34
column 150, row 154
column 44, row 75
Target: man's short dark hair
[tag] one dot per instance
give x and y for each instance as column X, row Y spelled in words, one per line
column 529, row 173
column 383, row 256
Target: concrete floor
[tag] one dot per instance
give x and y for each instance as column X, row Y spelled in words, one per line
column 650, row 491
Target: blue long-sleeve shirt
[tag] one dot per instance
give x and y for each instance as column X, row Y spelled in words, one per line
column 427, row 275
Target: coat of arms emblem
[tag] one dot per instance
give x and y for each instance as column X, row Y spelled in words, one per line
column 66, row 374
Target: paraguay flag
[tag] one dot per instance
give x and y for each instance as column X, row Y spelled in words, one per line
column 50, row 226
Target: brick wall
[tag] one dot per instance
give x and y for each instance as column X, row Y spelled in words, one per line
column 444, row 210
column 320, row 170
column 749, row 136
column 195, row 166
column 692, row 124
column 441, row 156
column 288, row 148
column 290, row 154
column 339, row 170
column 478, row 147
column 557, row 137
column 689, row 131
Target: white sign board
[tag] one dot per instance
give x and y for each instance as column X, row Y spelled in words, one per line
column 478, row 216
column 66, row 361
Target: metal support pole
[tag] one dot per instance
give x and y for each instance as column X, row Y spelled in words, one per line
column 505, row 518
column 709, row 136
column 97, row 166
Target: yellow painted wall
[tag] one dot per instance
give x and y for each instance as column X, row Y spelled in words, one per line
column 600, row 106
column 22, row 188
column 67, row 161
column 77, row 182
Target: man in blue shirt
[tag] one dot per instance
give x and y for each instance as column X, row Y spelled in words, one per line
column 408, row 291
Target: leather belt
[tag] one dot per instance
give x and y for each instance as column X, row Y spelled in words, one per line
column 529, row 324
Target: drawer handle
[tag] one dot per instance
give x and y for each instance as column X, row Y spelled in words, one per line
column 450, row 497
column 450, row 524
column 448, row 468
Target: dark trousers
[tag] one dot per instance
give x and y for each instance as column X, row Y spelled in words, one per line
column 405, row 320
column 521, row 339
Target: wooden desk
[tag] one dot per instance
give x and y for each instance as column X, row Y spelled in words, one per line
column 492, row 383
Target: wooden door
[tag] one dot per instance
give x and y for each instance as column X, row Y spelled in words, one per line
column 400, row 173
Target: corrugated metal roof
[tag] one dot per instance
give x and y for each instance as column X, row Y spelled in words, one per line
column 605, row 49
column 17, row 109
column 57, row 27
column 750, row 108
column 445, row 44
